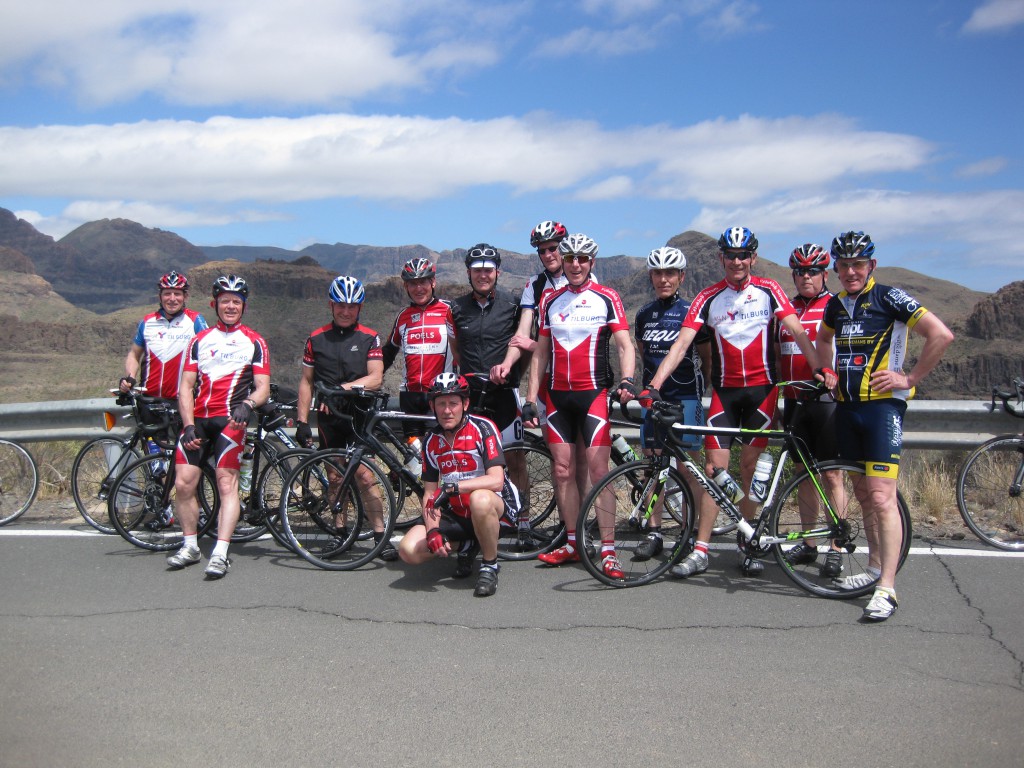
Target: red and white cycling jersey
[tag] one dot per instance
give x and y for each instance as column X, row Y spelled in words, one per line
column 225, row 362
column 426, row 336
column 580, row 323
column 164, row 341
column 792, row 364
column 475, row 448
column 743, row 350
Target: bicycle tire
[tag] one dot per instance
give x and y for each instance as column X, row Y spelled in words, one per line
column 785, row 519
column 269, row 489
column 246, row 530
column 537, row 500
column 985, row 494
column 137, row 498
column 622, row 515
column 93, row 473
column 19, row 481
column 308, row 521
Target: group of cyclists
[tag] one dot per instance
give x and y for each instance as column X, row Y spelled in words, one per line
column 737, row 334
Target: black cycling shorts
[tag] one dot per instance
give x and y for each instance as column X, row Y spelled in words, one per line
column 746, row 407
column 815, row 423
column 224, row 443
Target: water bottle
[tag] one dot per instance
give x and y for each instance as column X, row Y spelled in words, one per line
column 413, row 462
column 159, row 467
column 624, row 448
column 729, row 487
column 245, row 470
column 759, row 483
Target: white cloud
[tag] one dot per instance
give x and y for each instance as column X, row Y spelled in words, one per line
column 987, row 167
column 995, row 16
column 613, row 188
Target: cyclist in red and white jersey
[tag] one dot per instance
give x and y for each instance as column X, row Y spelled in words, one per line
column 464, row 461
column 577, row 324
column 155, row 357
column 424, row 334
column 740, row 311
column 226, row 376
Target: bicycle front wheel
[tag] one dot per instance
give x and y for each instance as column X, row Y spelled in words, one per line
column 621, row 509
column 326, row 517
column 266, row 502
column 538, row 529
column 836, row 567
column 141, row 506
column 988, row 492
column 93, row 473
column 19, row 481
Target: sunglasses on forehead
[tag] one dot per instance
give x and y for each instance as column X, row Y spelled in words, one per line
column 579, row 258
column 483, row 253
column 804, row 271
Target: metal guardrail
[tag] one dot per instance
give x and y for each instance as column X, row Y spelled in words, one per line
column 935, row 424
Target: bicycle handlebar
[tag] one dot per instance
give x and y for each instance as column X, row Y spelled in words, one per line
column 1018, row 410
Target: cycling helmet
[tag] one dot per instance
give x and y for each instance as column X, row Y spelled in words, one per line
column 231, row 284
column 666, row 258
column 346, row 290
column 853, row 245
column 414, row 269
column 173, row 280
column 809, row 255
column 737, row 239
column 448, row 383
column 577, row 245
column 547, row 231
column 483, row 255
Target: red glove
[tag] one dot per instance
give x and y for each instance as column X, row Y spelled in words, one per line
column 435, row 541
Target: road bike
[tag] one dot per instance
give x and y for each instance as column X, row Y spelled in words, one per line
column 19, row 480
column 806, row 501
column 988, row 487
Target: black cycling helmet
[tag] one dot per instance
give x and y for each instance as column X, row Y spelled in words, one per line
column 483, row 255
column 448, row 383
column 231, row 284
column 415, row 269
column 173, row 279
column 853, row 245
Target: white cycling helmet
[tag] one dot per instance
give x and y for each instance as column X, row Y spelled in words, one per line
column 666, row 258
column 577, row 245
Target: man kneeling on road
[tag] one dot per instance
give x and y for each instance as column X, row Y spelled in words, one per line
column 463, row 469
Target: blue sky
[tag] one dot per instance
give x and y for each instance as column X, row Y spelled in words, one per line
column 392, row 122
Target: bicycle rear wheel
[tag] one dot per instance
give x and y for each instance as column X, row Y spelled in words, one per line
column 988, row 492
column 270, row 489
column 837, row 569
column 530, row 471
column 619, row 510
column 93, row 473
column 19, row 481
column 141, row 507
column 314, row 500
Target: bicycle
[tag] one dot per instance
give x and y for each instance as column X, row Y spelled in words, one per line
column 19, row 481
column 988, row 487
column 796, row 490
column 102, row 459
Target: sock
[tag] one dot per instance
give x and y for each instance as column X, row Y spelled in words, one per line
column 656, row 532
column 607, row 548
column 571, row 543
column 192, row 540
column 874, row 573
column 220, row 548
column 492, row 564
column 701, row 546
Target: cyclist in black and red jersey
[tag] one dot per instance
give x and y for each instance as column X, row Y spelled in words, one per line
column 577, row 324
column 226, row 376
column 740, row 311
column 866, row 326
column 424, row 334
column 464, row 462
column 344, row 353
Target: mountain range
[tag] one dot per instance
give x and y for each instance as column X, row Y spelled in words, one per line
column 69, row 307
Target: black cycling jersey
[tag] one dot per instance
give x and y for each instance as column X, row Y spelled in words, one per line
column 483, row 333
column 339, row 355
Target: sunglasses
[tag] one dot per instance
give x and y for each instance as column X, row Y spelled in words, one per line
column 741, row 256
column 852, row 265
column 579, row 258
column 483, row 253
column 805, row 271
column 549, row 249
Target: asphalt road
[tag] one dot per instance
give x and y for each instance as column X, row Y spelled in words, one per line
column 107, row 658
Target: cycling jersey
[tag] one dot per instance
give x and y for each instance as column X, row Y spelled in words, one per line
column 580, row 322
column 792, row 363
column 164, row 340
column 657, row 326
column 475, row 448
column 539, row 286
column 871, row 331
column 743, row 351
column 225, row 363
column 339, row 355
column 483, row 332
column 426, row 336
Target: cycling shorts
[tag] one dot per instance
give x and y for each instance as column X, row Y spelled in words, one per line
column 458, row 517
column 415, row 403
column 693, row 415
column 222, row 442
column 334, row 433
column 573, row 413
column 814, row 423
column 503, row 407
column 746, row 407
column 871, row 433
